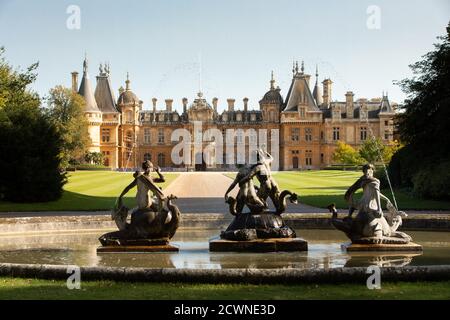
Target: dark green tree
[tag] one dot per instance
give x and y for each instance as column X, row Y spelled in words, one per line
column 30, row 143
column 423, row 122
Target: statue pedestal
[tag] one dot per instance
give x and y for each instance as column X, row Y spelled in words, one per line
column 137, row 249
column 136, row 246
column 259, row 245
column 356, row 247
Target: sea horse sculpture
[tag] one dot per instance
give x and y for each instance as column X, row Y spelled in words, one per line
column 370, row 225
column 151, row 221
column 259, row 222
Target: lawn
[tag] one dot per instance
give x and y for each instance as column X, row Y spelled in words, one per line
column 87, row 190
column 15, row 288
column 320, row 188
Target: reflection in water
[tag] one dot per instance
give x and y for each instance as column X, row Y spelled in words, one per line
column 324, row 252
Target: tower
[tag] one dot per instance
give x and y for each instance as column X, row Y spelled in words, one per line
column 91, row 111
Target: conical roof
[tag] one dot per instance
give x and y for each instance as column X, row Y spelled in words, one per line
column 86, row 90
column 104, row 95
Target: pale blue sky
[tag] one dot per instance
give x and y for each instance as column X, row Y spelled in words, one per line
column 240, row 41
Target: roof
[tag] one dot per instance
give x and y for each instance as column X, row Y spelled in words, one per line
column 200, row 103
column 104, row 94
column 385, row 106
column 299, row 93
column 86, row 90
column 127, row 97
column 272, row 96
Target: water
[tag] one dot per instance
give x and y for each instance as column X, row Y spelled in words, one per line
column 324, row 252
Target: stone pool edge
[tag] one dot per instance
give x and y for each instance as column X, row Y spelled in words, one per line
column 251, row 276
column 91, row 223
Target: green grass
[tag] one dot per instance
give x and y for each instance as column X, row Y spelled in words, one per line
column 320, row 188
column 87, row 190
column 14, row 288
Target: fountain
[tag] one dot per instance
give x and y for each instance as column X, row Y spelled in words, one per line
column 371, row 229
column 152, row 224
column 258, row 230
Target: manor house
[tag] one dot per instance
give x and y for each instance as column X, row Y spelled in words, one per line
column 308, row 122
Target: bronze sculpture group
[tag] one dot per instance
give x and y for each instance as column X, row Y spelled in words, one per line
column 156, row 218
column 154, row 221
column 259, row 222
column 370, row 225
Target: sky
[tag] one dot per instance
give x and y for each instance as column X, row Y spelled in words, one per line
column 237, row 43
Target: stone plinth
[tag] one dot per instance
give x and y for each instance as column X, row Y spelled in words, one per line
column 259, row 245
column 356, row 247
column 137, row 249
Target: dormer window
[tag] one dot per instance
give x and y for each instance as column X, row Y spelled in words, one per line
column 225, row 117
column 302, row 112
column 239, row 117
column 175, row 117
column 336, row 113
column 253, row 117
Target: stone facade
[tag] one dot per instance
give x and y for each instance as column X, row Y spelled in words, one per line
column 308, row 123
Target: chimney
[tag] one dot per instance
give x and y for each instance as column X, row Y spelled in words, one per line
column 214, row 102
column 231, row 104
column 154, row 100
column 245, row 104
column 75, row 81
column 169, row 103
column 185, row 103
column 349, row 104
column 327, row 91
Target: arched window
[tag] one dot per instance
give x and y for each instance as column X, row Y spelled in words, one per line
column 129, row 116
column 148, row 157
column 161, row 160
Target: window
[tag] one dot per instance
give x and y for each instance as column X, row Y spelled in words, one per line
column 386, row 135
column 295, row 134
column 363, row 134
column 129, row 136
column 240, row 136
column 336, row 133
column 272, row 116
column 302, row 112
column 308, row 134
column 321, row 135
column 308, row 157
column 161, row 160
column 253, row 117
column 129, row 116
column 147, row 157
column 106, row 135
column 239, row 117
column 386, row 123
column 321, row 158
column 160, row 135
column 147, row 136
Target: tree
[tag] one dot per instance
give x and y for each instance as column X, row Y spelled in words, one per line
column 30, row 144
column 423, row 122
column 372, row 150
column 65, row 109
column 94, row 158
column 346, row 154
